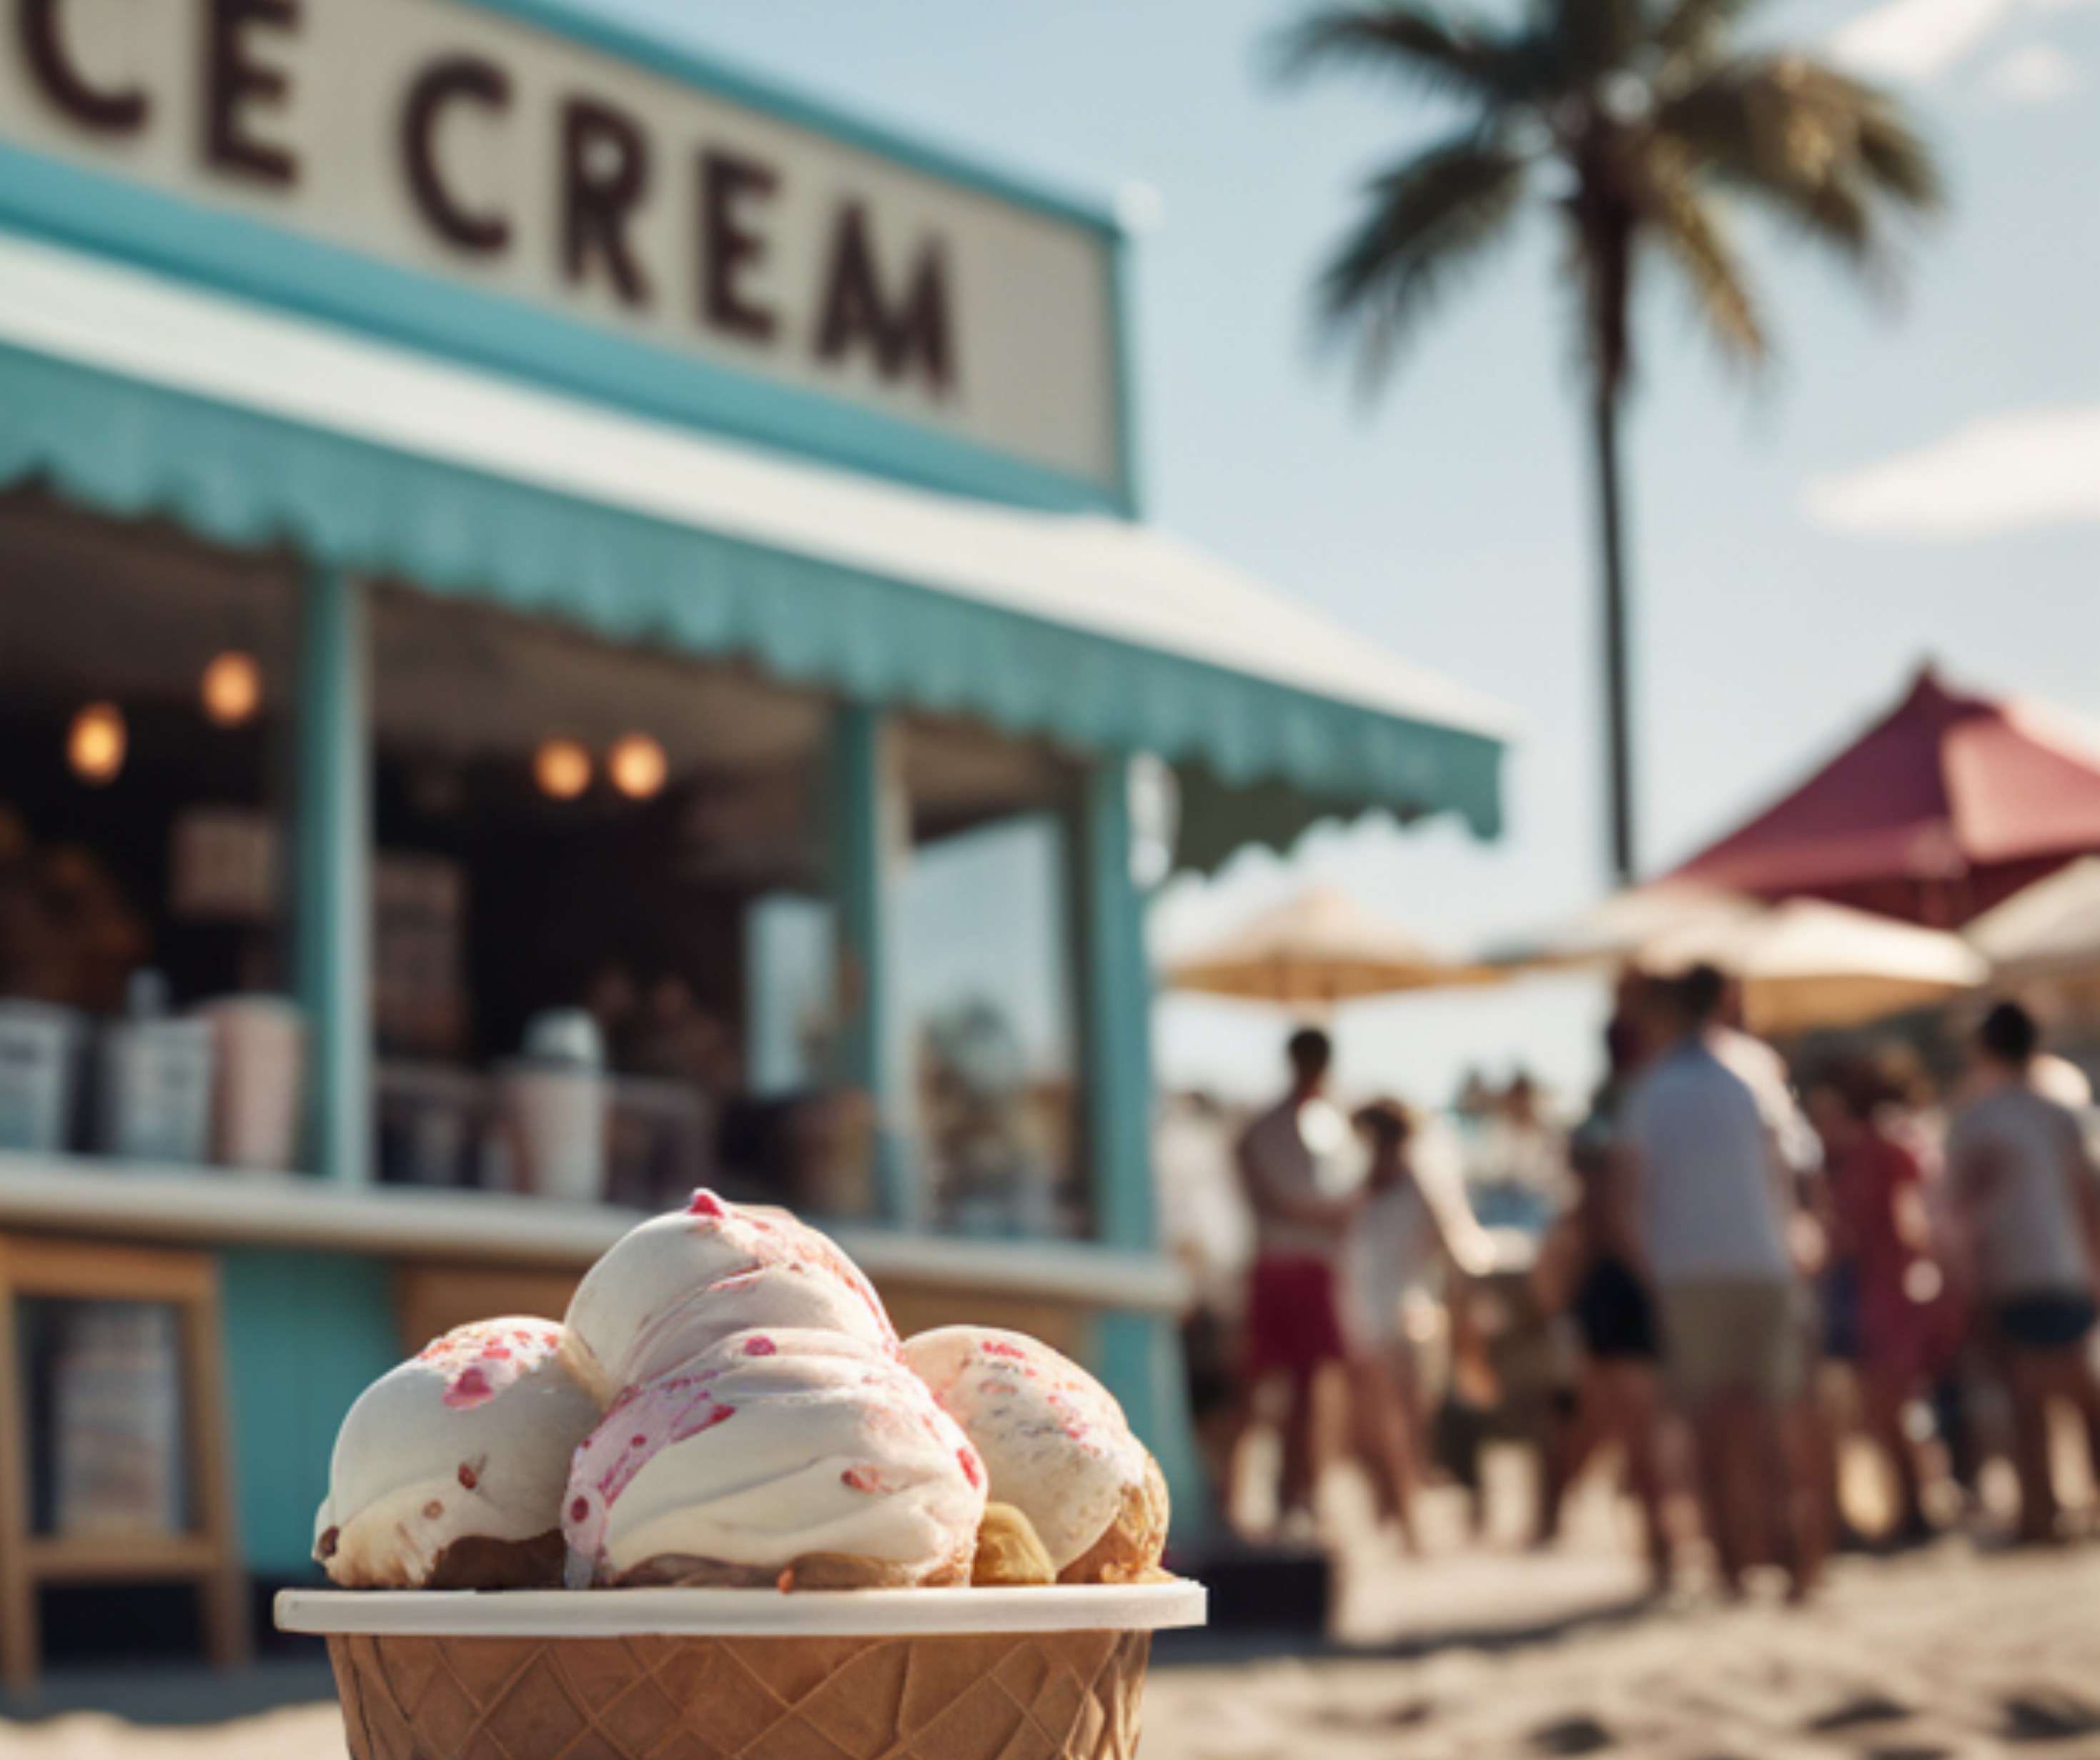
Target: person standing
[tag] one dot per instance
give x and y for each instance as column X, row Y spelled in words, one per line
column 1881, row 1283
column 1294, row 1328
column 1587, row 1269
column 1709, row 1199
column 1395, row 1254
column 2025, row 1188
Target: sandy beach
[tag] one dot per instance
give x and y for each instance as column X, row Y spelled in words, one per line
column 1941, row 1654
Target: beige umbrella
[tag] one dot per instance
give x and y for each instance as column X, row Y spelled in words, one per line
column 1321, row 947
column 2049, row 929
column 1805, row 964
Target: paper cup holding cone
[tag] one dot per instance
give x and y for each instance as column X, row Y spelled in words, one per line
column 1033, row 1673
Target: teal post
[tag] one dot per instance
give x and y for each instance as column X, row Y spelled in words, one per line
column 331, row 867
column 1140, row 1353
column 862, row 806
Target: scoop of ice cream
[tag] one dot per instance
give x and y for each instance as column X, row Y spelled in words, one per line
column 449, row 1470
column 809, row 1453
column 672, row 1288
column 1055, row 1443
column 1129, row 1548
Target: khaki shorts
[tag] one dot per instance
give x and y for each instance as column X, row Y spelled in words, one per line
column 1735, row 1332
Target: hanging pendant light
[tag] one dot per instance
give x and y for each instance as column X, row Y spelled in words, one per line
column 562, row 767
column 233, row 688
column 96, row 744
column 637, row 767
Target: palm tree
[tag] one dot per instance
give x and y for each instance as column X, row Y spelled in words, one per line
column 1639, row 121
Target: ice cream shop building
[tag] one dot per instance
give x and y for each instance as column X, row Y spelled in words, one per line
column 572, row 626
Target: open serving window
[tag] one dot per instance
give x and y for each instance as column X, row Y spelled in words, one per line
column 602, row 957
column 147, row 785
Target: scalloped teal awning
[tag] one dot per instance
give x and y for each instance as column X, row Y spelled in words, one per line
column 136, row 396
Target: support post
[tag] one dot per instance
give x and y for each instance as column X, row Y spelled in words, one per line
column 865, row 803
column 331, row 867
column 1618, row 664
column 1140, row 1352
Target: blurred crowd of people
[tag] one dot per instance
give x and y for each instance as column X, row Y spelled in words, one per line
column 1738, row 1277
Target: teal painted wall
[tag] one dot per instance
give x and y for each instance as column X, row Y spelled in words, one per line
column 306, row 1333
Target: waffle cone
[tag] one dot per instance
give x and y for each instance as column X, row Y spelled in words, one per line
column 1051, row 1696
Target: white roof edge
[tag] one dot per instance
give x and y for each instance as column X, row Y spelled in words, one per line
column 1122, row 581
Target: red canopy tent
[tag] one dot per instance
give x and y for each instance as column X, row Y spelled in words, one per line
column 1947, row 805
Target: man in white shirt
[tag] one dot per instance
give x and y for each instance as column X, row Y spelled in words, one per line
column 1293, row 1319
column 2024, row 1187
column 1709, row 1213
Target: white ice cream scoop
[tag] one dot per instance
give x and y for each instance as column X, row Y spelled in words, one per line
column 777, row 1451
column 1054, row 1442
column 678, row 1285
column 468, row 1442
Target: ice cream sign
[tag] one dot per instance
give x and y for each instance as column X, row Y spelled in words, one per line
column 462, row 141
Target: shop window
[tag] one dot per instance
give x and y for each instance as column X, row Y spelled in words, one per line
column 146, row 773
column 987, row 980
column 602, row 946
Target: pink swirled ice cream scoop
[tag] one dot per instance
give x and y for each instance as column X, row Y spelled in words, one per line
column 449, row 1470
column 794, row 1458
column 671, row 1288
column 1055, row 1446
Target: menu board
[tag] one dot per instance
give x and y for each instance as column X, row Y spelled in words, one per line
column 112, row 1372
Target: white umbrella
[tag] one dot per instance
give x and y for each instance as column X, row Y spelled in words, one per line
column 1617, row 928
column 1806, row 963
column 2049, row 929
column 1321, row 947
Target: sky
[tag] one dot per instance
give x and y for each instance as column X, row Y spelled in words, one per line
column 1918, row 477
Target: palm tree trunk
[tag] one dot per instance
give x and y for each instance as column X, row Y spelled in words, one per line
column 1604, row 436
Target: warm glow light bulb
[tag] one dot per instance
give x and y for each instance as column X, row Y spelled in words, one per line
column 233, row 688
column 96, row 745
column 638, row 766
column 562, row 767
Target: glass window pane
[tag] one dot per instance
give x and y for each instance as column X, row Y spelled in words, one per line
column 987, row 981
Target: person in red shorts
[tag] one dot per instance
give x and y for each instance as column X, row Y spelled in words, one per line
column 1293, row 1323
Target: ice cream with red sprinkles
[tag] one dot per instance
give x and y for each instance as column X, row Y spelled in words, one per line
column 449, row 1470
column 1057, row 1446
column 673, row 1287
column 794, row 1458
column 728, row 1405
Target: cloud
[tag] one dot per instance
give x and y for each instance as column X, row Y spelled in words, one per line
column 2005, row 473
column 2035, row 74
column 1923, row 39
column 1918, row 39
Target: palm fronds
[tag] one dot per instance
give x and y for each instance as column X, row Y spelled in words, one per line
column 1697, row 27
column 1654, row 118
column 1468, row 60
column 1692, row 240
column 1821, row 150
column 1425, row 223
